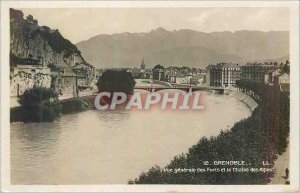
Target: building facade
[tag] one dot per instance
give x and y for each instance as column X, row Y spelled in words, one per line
column 224, row 74
column 270, row 75
column 25, row 77
column 85, row 75
column 283, row 81
column 65, row 82
column 159, row 72
column 257, row 72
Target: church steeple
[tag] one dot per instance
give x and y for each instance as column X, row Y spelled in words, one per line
column 143, row 66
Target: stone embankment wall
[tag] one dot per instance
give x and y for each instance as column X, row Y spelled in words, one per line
column 68, row 106
column 244, row 98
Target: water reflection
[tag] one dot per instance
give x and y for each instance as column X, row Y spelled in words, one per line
column 31, row 145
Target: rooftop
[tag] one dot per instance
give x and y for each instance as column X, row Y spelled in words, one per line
column 224, row 65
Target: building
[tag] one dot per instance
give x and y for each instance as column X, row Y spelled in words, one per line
column 184, row 70
column 172, row 78
column 65, row 82
column 207, row 74
column 183, row 79
column 147, row 74
column 283, row 81
column 24, row 77
column 270, row 75
column 224, row 74
column 159, row 72
column 282, row 78
column 171, row 74
column 197, row 80
column 85, row 74
column 256, row 72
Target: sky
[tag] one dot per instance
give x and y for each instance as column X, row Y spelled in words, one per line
column 78, row 24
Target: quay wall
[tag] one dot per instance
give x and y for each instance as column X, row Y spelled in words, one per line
column 79, row 104
column 244, row 98
column 68, row 106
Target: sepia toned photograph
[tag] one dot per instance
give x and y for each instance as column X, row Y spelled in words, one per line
column 134, row 93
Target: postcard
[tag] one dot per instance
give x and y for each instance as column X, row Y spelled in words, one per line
column 149, row 96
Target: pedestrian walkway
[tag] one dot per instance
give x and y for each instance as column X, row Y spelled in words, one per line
column 282, row 162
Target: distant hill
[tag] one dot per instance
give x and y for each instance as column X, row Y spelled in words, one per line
column 32, row 44
column 279, row 60
column 183, row 48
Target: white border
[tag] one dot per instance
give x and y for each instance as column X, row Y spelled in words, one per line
column 5, row 125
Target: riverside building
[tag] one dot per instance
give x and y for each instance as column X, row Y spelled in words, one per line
column 24, row 77
column 256, row 72
column 224, row 74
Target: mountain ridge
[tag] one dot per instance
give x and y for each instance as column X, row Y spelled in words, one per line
column 184, row 47
column 179, row 30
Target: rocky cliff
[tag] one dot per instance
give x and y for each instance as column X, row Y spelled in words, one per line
column 32, row 44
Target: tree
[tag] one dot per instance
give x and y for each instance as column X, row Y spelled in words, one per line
column 116, row 81
column 31, row 19
column 286, row 67
column 39, row 105
column 158, row 66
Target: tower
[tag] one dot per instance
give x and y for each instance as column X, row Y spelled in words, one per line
column 143, row 66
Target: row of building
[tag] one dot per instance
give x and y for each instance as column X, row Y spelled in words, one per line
column 64, row 80
column 220, row 75
column 177, row 75
column 226, row 74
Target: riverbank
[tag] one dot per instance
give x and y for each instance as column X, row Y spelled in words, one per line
column 244, row 98
column 68, row 106
column 14, row 99
column 248, row 140
column 83, row 103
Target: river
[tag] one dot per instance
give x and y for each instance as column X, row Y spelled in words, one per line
column 111, row 147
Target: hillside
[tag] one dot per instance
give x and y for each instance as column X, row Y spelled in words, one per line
column 33, row 44
column 183, row 47
column 279, row 60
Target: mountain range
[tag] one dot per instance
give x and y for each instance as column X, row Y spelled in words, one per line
column 183, row 48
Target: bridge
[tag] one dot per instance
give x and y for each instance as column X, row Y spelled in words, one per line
column 186, row 88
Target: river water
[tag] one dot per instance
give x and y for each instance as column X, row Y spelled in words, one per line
column 111, row 147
